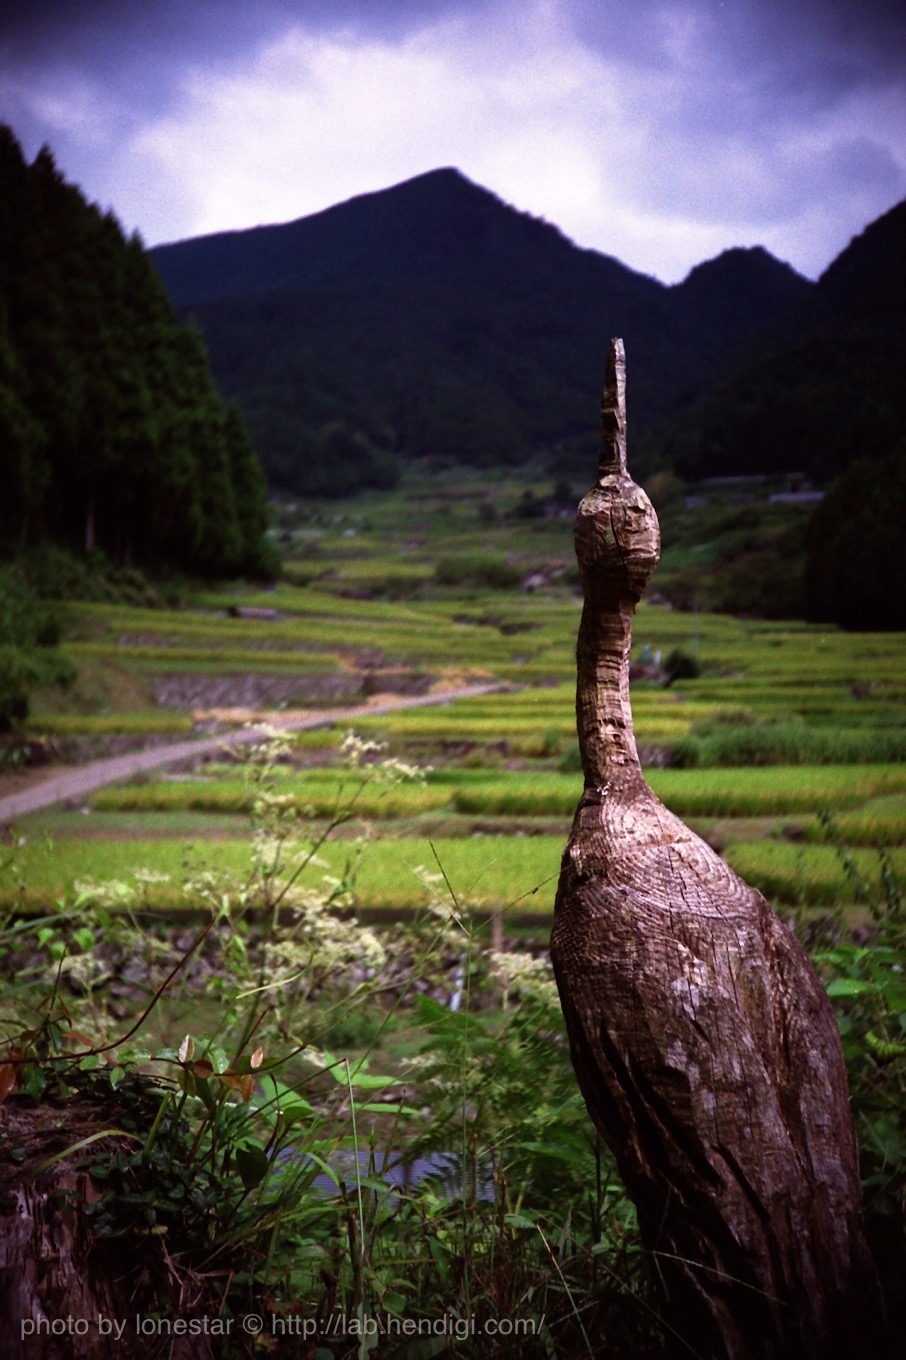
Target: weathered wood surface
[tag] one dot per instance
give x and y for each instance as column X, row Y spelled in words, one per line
column 702, row 1039
column 65, row 1295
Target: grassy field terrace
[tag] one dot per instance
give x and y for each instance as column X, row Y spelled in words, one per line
column 780, row 721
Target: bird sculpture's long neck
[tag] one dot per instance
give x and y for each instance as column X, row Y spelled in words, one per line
column 606, row 737
column 617, row 546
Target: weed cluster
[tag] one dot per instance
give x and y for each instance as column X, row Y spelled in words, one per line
column 866, row 979
column 437, row 1170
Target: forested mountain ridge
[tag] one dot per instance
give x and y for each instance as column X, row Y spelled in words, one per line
column 825, row 390
column 433, row 319
column 112, row 432
column 410, row 231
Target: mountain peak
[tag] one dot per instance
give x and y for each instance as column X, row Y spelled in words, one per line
column 441, row 175
column 438, row 223
column 445, row 180
column 738, row 262
column 740, row 293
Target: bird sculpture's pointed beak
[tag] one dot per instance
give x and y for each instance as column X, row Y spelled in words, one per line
column 613, row 413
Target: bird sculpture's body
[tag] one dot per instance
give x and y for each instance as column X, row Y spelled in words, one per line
column 702, row 1039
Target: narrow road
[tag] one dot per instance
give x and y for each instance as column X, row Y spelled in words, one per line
column 84, row 780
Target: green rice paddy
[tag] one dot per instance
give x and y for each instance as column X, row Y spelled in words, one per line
column 514, row 874
column 352, row 611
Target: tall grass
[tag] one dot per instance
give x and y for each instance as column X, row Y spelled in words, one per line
column 514, row 872
column 787, row 743
column 696, row 793
column 215, row 656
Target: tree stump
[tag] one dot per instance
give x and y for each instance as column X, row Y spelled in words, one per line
column 63, row 1294
column 702, row 1039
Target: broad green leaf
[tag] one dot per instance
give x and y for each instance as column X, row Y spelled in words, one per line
column 367, row 1081
column 519, row 1221
column 849, row 987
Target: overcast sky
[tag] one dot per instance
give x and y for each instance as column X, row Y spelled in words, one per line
column 658, row 131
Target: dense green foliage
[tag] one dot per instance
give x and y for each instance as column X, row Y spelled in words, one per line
column 112, row 433
column 29, row 633
column 855, row 550
column 744, row 741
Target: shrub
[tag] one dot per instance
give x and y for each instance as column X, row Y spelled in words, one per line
column 854, row 570
column 16, row 679
column 865, row 980
column 489, row 570
column 25, row 621
column 529, row 506
column 571, row 760
column 29, row 630
column 681, row 665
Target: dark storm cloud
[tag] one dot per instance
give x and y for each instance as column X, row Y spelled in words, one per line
column 134, row 52
column 833, row 44
column 106, row 30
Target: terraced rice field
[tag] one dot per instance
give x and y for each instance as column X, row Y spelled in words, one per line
column 353, row 620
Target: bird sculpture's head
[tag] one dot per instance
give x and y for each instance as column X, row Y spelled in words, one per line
column 618, row 538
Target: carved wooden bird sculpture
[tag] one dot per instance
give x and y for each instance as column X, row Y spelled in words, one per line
column 702, row 1039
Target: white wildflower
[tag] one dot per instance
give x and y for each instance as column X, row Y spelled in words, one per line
column 150, row 877
column 357, row 752
column 85, row 970
column 111, row 893
column 531, row 978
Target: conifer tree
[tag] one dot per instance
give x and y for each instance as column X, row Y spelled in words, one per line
column 112, row 432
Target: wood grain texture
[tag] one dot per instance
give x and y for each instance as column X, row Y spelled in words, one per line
column 58, row 1279
column 702, row 1039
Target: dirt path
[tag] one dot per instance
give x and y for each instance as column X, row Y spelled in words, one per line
column 76, row 783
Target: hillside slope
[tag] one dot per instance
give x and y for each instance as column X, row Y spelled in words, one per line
column 433, row 319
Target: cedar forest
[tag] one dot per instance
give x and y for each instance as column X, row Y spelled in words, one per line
column 112, row 432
